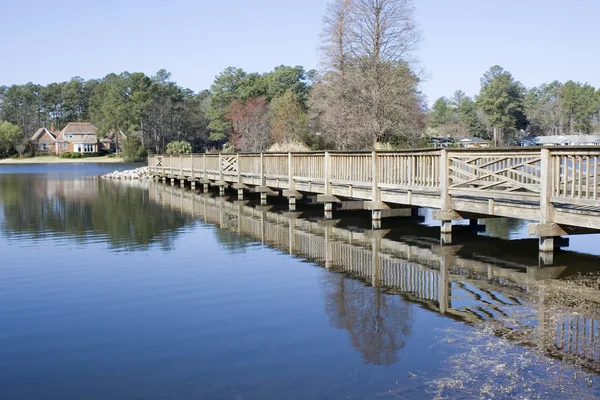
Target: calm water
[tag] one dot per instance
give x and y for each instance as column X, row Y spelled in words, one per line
column 137, row 290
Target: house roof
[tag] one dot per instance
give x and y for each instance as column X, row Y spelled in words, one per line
column 473, row 140
column 41, row 132
column 562, row 139
column 79, row 128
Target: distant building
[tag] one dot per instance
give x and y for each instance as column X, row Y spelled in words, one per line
column 562, row 140
column 473, row 142
column 75, row 137
column 442, row 141
column 113, row 143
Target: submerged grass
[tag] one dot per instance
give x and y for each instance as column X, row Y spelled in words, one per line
column 547, row 349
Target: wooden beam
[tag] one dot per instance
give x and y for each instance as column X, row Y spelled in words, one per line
column 326, row 198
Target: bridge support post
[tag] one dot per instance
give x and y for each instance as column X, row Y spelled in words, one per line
column 221, row 190
column 292, row 204
column 182, row 182
column 446, row 227
column 240, row 194
column 376, row 219
column 164, row 179
column 193, row 185
column 263, row 198
column 205, row 187
column 328, row 210
column 546, row 243
column 445, row 239
column 172, row 181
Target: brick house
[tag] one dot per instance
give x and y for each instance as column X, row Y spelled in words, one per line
column 43, row 141
column 75, row 137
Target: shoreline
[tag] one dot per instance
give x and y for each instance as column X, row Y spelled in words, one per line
column 58, row 160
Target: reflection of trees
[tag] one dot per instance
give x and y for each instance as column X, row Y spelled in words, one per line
column 233, row 242
column 82, row 208
column 378, row 324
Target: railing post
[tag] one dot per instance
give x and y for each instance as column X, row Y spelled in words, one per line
column 446, row 201
column 291, row 183
column 375, row 194
column 239, row 170
column 192, row 162
column 192, row 179
column 445, row 180
column 220, row 166
column 263, row 178
column 546, row 207
column 327, row 173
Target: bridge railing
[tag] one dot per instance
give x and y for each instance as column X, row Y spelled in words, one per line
column 562, row 175
column 575, row 176
column 504, row 175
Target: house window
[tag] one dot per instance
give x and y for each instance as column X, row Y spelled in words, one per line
column 43, row 146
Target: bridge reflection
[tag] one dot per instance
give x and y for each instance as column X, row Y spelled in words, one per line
column 525, row 302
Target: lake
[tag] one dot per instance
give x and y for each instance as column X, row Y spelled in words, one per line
column 140, row 290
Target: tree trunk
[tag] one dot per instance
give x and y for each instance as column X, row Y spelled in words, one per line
column 495, row 137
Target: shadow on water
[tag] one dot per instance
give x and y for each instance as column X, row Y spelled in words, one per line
column 83, row 209
column 479, row 280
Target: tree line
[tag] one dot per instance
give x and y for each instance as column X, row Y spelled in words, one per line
column 364, row 95
column 505, row 110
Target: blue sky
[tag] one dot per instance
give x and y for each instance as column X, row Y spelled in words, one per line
column 536, row 40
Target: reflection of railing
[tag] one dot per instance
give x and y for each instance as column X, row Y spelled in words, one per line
column 462, row 288
column 547, row 185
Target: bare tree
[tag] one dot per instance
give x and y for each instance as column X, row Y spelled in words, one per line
column 329, row 101
column 336, row 37
column 367, row 92
column 384, row 30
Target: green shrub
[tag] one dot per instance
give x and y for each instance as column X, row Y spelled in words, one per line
column 180, row 147
column 71, row 155
column 133, row 150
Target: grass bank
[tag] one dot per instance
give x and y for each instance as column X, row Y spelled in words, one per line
column 58, row 160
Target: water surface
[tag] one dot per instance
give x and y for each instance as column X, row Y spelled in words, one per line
column 138, row 290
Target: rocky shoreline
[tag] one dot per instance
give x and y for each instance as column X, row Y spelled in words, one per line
column 130, row 174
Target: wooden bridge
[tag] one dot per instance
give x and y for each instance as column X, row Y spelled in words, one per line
column 556, row 188
column 439, row 278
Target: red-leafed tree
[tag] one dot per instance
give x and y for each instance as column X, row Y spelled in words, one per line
column 250, row 122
